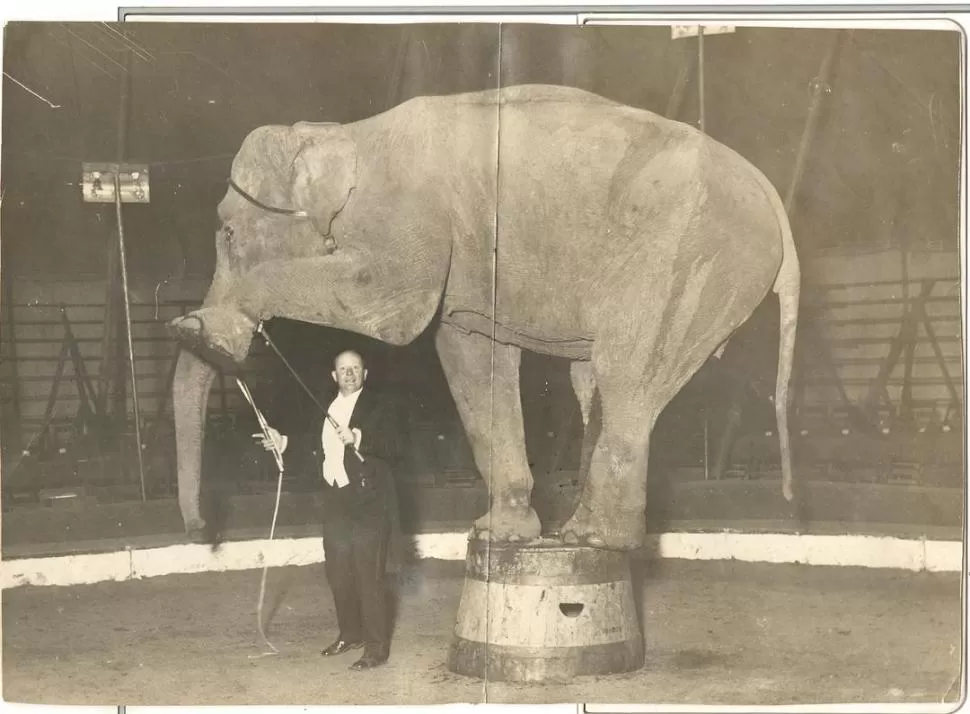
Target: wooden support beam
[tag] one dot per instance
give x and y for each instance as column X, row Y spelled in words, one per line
column 85, row 389
column 56, row 386
column 906, row 337
column 935, row 343
column 906, row 394
column 821, row 351
column 14, row 430
column 728, row 436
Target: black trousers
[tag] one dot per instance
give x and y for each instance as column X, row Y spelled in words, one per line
column 355, row 543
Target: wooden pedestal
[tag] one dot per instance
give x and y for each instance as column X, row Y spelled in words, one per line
column 545, row 612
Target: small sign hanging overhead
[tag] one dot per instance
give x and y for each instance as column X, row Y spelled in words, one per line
column 679, row 31
column 98, row 182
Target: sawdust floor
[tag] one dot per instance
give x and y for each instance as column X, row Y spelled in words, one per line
column 716, row 632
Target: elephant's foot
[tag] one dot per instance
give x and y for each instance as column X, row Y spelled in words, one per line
column 508, row 525
column 195, row 531
column 617, row 530
column 786, row 490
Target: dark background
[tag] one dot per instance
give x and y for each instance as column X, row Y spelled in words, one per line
column 884, row 157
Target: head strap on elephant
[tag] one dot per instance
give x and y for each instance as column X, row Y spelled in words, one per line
column 294, row 212
column 309, row 169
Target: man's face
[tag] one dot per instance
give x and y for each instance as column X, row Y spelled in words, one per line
column 349, row 372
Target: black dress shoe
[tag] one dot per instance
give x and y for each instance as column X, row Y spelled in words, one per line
column 341, row 646
column 373, row 657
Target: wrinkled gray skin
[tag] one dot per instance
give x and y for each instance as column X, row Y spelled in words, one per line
column 608, row 235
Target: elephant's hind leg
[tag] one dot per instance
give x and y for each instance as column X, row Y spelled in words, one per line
column 635, row 379
column 584, row 385
column 610, row 513
column 484, row 381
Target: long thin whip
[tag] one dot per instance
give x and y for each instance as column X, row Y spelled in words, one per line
column 262, row 332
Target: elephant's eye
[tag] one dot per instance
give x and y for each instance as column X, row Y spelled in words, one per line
column 227, row 232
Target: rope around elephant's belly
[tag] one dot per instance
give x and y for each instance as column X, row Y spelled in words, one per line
column 272, row 529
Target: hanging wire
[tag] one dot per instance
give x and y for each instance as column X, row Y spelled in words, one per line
column 140, row 51
column 31, row 91
column 80, row 39
column 76, row 52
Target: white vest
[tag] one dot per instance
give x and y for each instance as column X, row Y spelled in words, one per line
column 341, row 410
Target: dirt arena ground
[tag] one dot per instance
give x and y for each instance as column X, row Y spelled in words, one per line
column 716, row 633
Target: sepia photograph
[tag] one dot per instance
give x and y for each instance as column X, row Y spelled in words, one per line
column 465, row 362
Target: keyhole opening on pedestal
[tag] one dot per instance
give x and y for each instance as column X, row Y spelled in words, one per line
column 571, row 609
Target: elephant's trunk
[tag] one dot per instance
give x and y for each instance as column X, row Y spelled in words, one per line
column 221, row 335
column 190, row 395
column 213, row 337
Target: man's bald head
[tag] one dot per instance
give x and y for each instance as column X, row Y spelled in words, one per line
column 348, row 354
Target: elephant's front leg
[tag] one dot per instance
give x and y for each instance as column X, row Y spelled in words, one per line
column 484, row 381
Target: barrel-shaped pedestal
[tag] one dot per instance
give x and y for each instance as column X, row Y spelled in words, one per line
column 545, row 612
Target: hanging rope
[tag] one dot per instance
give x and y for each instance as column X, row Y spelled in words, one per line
column 278, row 456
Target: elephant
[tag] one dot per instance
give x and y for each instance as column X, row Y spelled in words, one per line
column 531, row 217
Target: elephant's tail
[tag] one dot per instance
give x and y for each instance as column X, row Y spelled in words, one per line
column 787, row 286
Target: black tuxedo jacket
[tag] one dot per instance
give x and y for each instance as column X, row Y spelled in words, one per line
column 371, row 480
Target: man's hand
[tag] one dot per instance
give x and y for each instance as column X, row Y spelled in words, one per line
column 349, row 437
column 274, row 442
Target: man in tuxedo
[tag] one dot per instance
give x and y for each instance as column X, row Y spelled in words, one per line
column 353, row 454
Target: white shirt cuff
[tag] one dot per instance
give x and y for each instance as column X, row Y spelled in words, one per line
column 357, row 438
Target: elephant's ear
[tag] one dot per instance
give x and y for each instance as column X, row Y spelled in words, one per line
column 324, row 174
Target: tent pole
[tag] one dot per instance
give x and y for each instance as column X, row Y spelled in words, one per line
column 131, row 346
column 820, row 86
column 700, row 78
column 123, row 263
column 105, row 370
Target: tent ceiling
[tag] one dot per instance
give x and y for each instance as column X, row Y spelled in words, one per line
column 884, row 161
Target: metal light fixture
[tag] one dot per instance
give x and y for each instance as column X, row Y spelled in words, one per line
column 98, row 182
